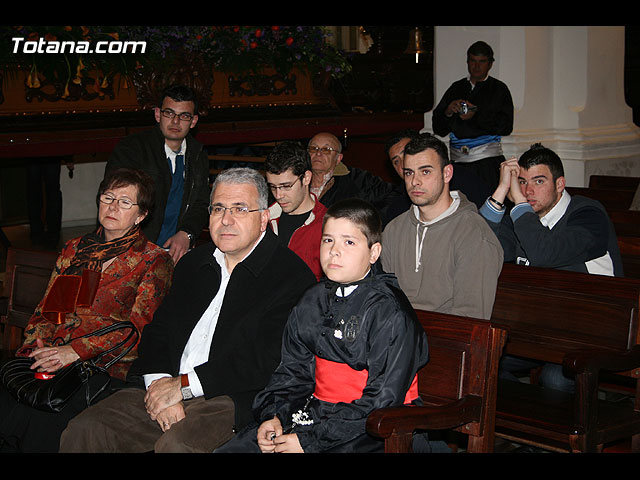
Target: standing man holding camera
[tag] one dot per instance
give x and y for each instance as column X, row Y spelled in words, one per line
column 476, row 112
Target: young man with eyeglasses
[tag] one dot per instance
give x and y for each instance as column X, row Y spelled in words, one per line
column 332, row 180
column 179, row 167
column 296, row 214
column 215, row 340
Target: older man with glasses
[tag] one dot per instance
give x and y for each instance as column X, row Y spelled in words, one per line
column 296, row 214
column 179, row 167
column 332, row 180
column 214, row 341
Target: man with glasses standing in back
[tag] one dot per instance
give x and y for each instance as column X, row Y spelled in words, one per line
column 214, row 341
column 296, row 214
column 332, row 180
column 179, row 167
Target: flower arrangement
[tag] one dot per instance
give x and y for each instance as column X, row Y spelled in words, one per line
column 233, row 49
column 240, row 49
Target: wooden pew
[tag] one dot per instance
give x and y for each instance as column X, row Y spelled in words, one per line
column 587, row 323
column 240, row 159
column 610, row 199
column 457, row 385
column 625, row 222
column 26, row 279
column 614, row 182
column 630, row 252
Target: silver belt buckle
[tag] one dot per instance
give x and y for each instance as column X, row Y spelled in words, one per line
column 464, row 149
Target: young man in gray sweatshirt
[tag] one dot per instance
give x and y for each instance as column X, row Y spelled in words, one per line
column 444, row 254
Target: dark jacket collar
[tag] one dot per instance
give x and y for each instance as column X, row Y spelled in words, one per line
column 258, row 260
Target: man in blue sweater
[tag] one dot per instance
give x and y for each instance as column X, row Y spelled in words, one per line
column 548, row 228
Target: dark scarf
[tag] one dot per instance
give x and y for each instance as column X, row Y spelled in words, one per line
column 77, row 285
column 94, row 250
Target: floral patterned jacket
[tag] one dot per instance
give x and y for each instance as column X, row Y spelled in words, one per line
column 131, row 288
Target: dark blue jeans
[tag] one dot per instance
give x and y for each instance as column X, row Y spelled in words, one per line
column 550, row 377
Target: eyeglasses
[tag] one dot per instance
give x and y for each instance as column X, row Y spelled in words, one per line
column 122, row 202
column 185, row 116
column 218, row 211
column 322, row 150
column 285, row 187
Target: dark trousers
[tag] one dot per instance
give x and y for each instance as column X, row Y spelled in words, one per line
column 486, row 171
column 551, row 375
column 121, row 424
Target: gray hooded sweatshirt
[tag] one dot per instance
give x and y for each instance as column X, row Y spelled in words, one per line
column 449, row 265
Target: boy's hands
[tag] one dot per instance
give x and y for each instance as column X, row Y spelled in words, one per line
column 288, row 443
column 271, row 440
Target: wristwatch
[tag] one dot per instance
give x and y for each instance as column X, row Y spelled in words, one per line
column 184, row 387
column 190, row 237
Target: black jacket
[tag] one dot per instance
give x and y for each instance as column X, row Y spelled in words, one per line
column 145, row 151
column 493, row 117
column 245, row 349
column 374, row 329
column 358, row 183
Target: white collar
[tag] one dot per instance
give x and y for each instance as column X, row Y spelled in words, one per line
column 557, row 212
column 219, row 255
column 171, row 154
column 346, row 291
column 473, row 85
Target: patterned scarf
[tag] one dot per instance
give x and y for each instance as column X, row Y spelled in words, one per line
column 94, row 250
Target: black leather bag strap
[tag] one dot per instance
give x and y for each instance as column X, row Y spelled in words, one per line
column 105, row 330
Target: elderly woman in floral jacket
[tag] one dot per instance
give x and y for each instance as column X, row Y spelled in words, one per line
column 123, row 277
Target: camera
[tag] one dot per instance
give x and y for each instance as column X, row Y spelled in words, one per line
column 464, row 108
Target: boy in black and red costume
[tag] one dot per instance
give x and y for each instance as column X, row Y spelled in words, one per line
column 351, row 345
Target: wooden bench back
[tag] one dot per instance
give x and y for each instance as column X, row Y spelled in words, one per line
column 464, row 354
column 610, row 199
column 590, row 318
column 551, row 312
column 614, row 182
column 26, row 279
column 459, row 356
column 457, row 385
column 625, row 222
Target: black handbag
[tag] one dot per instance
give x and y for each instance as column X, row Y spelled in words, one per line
column 52, row 395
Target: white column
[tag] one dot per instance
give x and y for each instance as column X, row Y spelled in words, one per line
column 567, row 87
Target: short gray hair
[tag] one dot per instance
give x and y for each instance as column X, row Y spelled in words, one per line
column 244, row 175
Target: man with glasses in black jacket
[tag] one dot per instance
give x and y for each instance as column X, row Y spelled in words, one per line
column 179, row 167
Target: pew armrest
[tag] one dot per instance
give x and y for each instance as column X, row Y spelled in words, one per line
column 404, row 420
column 593, row 361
